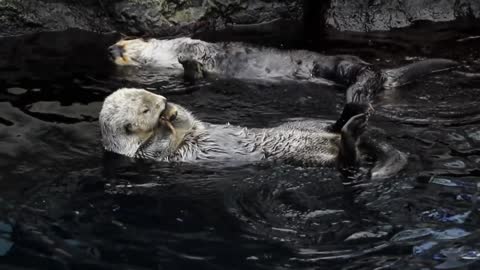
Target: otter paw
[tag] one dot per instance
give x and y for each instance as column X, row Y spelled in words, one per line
column 192, row 69
column 355, row 126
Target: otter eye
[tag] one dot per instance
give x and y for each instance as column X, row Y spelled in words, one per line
column 146, row 110
column 128, row 128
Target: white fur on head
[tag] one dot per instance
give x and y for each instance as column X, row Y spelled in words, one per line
column 160, row 53
column 128, row 117
column 134, row 52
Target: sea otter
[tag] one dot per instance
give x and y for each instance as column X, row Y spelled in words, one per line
column 240, row 60
column 140, row 124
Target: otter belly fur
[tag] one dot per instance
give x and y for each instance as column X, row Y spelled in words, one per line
column 227, row 142
column 244, row 61
column 140, row 124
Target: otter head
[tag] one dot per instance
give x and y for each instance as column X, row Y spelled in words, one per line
column 131, row 52
column 138, row 123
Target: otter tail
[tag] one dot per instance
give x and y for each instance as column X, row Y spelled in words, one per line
column 406, row 74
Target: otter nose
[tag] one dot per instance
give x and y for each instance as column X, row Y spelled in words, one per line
column 116, row 51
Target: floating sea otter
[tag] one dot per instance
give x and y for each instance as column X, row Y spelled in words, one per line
column 140, row 124
column 240, row 60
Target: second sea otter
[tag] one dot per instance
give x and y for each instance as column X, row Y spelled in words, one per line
column 239, row 60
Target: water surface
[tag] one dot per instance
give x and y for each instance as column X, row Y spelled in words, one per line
column 65, row 204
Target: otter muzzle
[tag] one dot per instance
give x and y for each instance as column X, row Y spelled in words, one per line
column 116, row 51
column 117, row 54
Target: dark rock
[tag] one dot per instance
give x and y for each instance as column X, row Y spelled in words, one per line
column 138, row 17
column 187, row 17
column 20, row 17
column 384, row 15
column 168, row 18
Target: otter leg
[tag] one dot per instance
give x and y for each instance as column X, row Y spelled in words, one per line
column 193, row 70
column 350, row 133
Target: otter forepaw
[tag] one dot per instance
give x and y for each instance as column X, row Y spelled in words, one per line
column 356, row 125
column 192, row 69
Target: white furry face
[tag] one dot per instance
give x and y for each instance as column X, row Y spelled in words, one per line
column 151, row 52
column 132, row 52
column 135, row 122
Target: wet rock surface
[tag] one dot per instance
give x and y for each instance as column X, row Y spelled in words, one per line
column 20, row 17
column 138, row 17
column 186, row 17
column 384, row 15
column 168, row 18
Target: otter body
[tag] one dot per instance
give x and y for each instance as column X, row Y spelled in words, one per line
column 244, row 61
column 235, row 59
column 140, row 124
column 226, row 142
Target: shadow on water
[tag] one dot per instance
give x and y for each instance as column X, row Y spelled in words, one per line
column 65, row 204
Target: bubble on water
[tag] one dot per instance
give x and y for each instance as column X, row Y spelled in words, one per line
column 417, row 234
column 414, row 234
column 443, row 182
column 443, row 216
column 17, row 91
column 475, row 135
column 318, row 213
column 456, row 137
column 5, row 246
column 365, row 235
column 457, row 164
column 450, row 234
column 5, row 227
column 423, row 248
column 457, row 257
column 471, row 255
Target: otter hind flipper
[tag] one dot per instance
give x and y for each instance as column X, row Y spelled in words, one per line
column 193, row 70
column 406, row 74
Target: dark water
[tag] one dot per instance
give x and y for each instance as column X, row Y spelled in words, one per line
column 65, row 204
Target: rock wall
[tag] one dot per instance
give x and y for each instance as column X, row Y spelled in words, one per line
column 154, row 17
column 167, row 17
column 384, row 15
column 175, row 17
column 26, row 16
